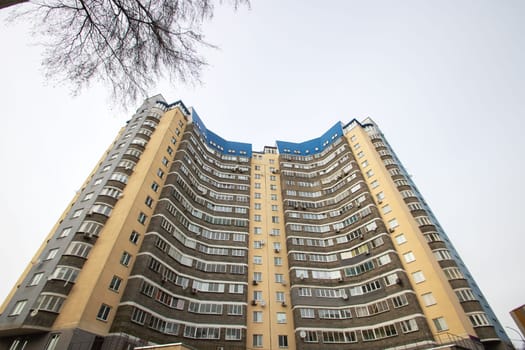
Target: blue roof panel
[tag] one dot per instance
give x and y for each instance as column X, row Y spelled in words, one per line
column 312, row 146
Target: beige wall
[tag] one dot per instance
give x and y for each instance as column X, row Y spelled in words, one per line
column 269, row 327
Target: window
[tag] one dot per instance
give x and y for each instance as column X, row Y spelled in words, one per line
column 428, row 299
column 400, row 239
column 418, row 276
column 233, row 334
column 275, row 232
column 274, row 207
column 273, row 197
column 164, row 161
column 479, row 319
column 357, row 146
column 386, row 209
column 65, row 232
column 257, row 218
column 51, row 254
column 36, row 279
column 134, row 237
column 155, row 186
column 115, row 283
column 374, row 184
column 77, row 213
column 18, row 344
column 409, row 257
column 257, row 259
column 283, row 341
column 257, row 206
column 53, row 341
column 257, row 230
column 257, row 316
column 305, row 292
column 257, row 185
column 49, row 302
column 103, row 312
column 257, row 195
column 409, row 326
column 257, row 295
column 453, row 273
column 169, row 150
column 149, row 201
column 125, row 259
column 307, row 313
column 142, row 218
column 380, row 196
column 279, row 278
column 275, row 219
column 370, row 173
column 97, row 181
column 19, row 306
column 392, row 224
column 442, row 254
column 257, row 340
column 273, row 187
column 440, row 324
column 88, row 196
column 281, row 317
column 465, row 294
column 235, row 309
column 279, row 296
column 399, row 301
column 257, row 276
column 364, row 163
column 277, row 261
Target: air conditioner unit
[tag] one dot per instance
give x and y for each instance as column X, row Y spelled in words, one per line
column 344, row 296
column 255, row 282
column 88, row 235
column 254, row 302
column 391, row 230
column 263, row 242
column 263, row 303
column 284, row 304
column 277, row 250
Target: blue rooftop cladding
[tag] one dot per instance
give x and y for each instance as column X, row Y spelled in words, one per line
column 216, row 142
column 312, row 146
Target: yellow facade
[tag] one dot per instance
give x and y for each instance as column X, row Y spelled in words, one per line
column 91, row 289
column 446, row 304
column 267, row 256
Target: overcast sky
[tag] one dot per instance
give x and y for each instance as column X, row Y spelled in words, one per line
column 443, row 79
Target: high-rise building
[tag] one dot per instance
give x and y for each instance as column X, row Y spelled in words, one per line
column 179, row 235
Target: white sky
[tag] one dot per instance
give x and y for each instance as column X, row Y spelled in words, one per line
column 443, row 79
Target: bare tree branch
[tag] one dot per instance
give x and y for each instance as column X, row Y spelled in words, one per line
column 128, row 44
